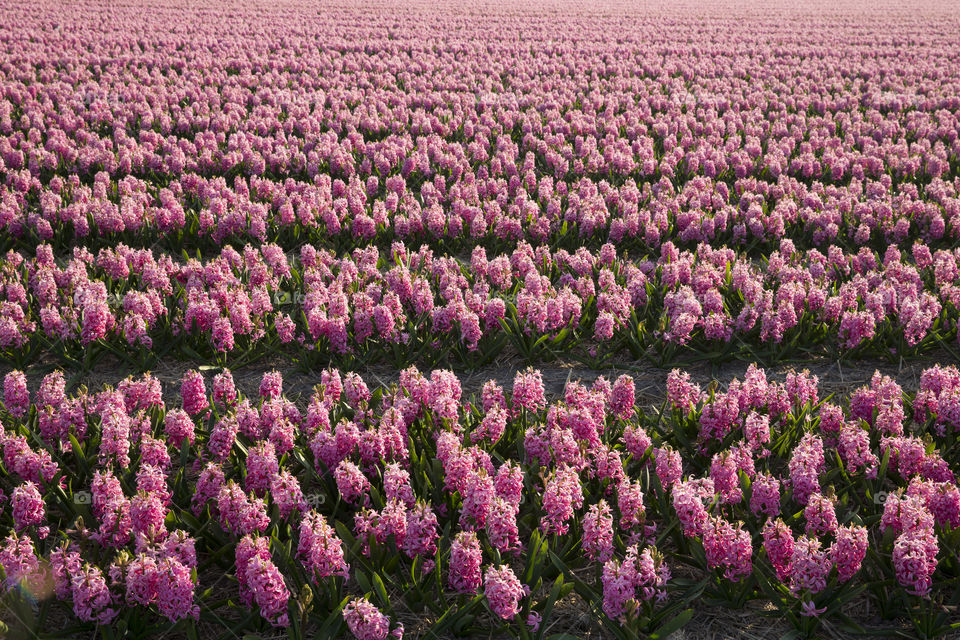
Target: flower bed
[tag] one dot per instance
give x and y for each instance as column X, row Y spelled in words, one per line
column 414, row 306
column 364, row 505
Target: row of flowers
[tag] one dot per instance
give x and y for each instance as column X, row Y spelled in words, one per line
column 207, row 212
column 478, row 513
column 420, row 134
column 414, row 306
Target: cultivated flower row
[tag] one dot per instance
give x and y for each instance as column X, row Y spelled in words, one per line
column 142, row 125
column 748, row 213
column 407, row 306
column 359, row 507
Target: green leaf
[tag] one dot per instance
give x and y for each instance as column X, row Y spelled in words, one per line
column 582, row 588
column 381, row 591
column 362, row 580
column 555, row 594
column 78, row 452
column 464, row 621
column 537, row 548
column 333, row 622
column 672, row 625
column 344, row 533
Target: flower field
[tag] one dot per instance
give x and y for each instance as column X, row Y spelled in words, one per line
column 281, row 283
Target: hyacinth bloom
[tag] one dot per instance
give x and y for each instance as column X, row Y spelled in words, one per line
column 636, row 440
column 464, row 567
column 365, row 621
column 640, row 576
column 261, row 582
column 92, row 601
column 224, row 389
column 478, row 498
column 493, row 425
column 147, row 515
column 848, row 551
column 723, row 472
column 757, row 430
column 27, row 503
column 728, row 547
column 175, row 590
column 681, row 393
column 623, row 397
column 689, row 500
column 269, row 593
column 508, row 483
column 421, row 534
column 598, row 532
column 64, row 563
column 810, row 565
column 528, row 392
column 223, row 437
column 16, row 397
column 179, row 427
column 806, row 464
column 239, row 513
column 396, row 484
column 193, row 393
column 142, row 580
column 20, row 564
column 563, row 494
column 779, row 543
column 820, row 514
column 287, row 494
column 765, row 496
column 355, row 390
column 503, row 591
column 669, row 466
column 630, row 504
column 854, row 448
column 351, row 482
column 262, row 467
column 915, row 560
column 501, row 526
column 208, row 486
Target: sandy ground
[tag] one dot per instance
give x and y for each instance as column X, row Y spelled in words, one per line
column 835, row 377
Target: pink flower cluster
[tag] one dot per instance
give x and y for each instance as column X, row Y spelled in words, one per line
column 640, row 576
column 366, row 622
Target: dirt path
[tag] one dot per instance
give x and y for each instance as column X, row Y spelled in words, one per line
column 650, row 381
